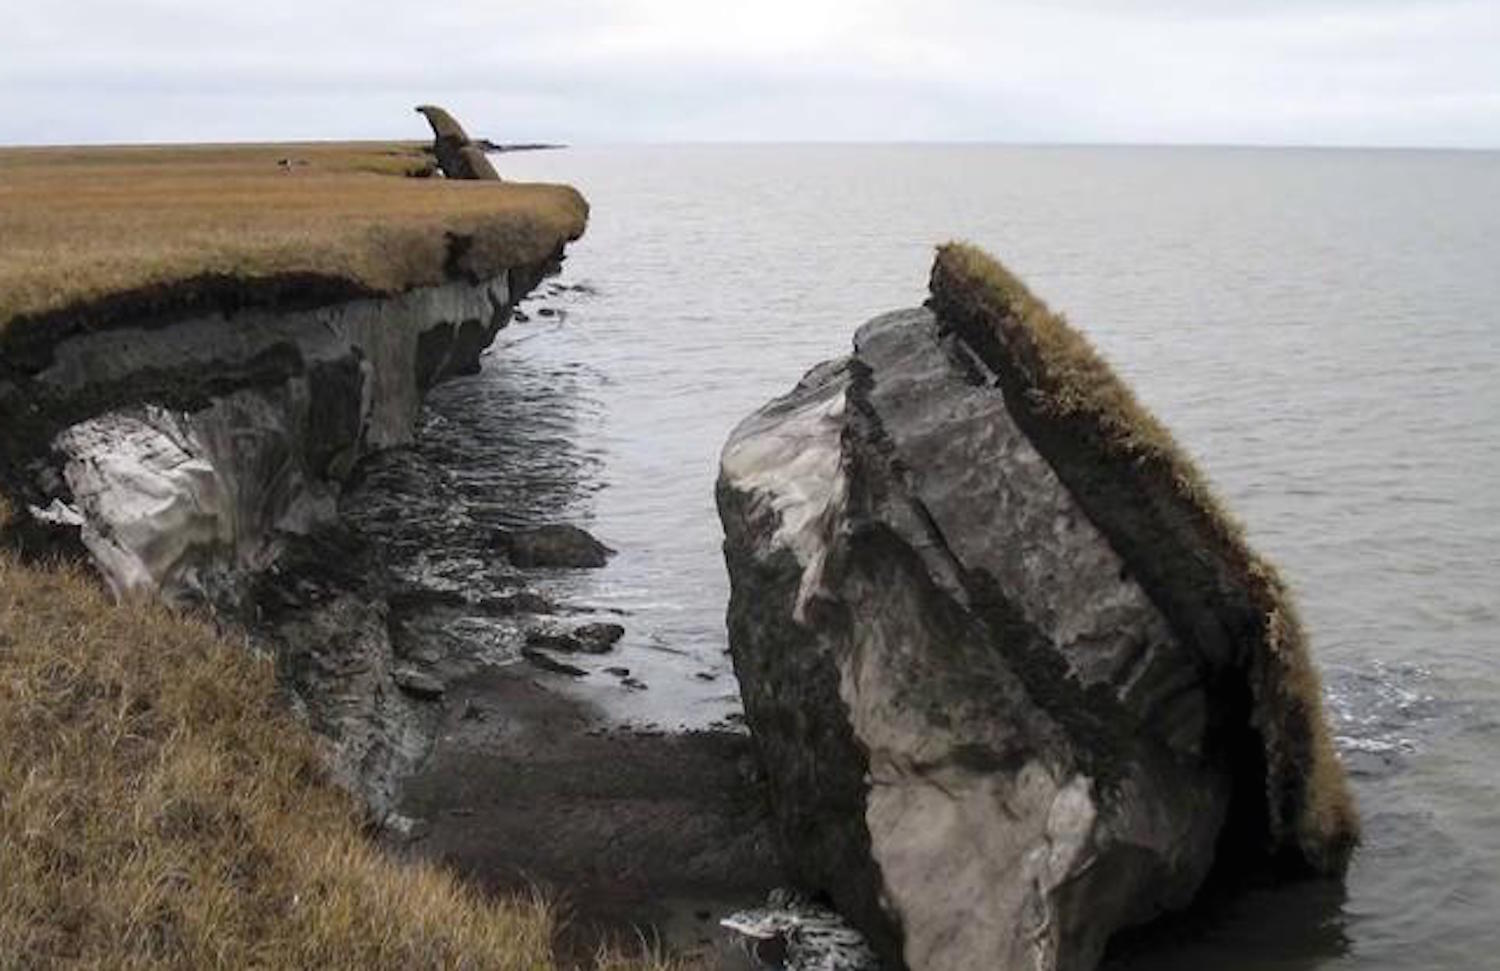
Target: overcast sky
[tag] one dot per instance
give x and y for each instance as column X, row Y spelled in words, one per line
column 1339, row 72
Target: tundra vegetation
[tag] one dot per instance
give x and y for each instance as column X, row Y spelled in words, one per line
column 84, row 224
column 160, row 804
column 159, row 807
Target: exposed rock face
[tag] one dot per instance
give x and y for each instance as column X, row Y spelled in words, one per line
column 457, row 155
column 994, row 733
column 200, row 457
column 289, row 403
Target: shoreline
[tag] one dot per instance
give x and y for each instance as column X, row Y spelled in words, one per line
column 627, row 829
column 632, row 831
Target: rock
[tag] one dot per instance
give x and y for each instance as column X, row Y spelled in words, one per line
column 457, row 155
column 411, row 599
column 598, row 638
column 521, row 602
column 419, row 684
column 552, row 639
column 549, row 663
column 425, row 654
column 1015, row 679
column 586, row 639
column 552, row 546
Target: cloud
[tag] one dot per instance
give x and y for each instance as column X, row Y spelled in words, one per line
column 1301, row 71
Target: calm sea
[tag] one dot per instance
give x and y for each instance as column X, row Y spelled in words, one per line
column 1320, row 328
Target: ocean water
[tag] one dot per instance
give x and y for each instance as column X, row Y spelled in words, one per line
column 1321, row 329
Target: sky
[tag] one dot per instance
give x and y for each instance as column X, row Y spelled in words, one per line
column 1319, row 72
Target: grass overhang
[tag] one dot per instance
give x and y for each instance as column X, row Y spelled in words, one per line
column 96, row 235
column 1160, row 513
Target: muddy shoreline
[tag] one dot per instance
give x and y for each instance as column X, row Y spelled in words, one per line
column 635, row 833
column 589, row 786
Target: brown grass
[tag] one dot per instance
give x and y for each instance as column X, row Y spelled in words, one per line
column 1066, row 380
column 1073, row 380
column 158, row 809
column 79, row 224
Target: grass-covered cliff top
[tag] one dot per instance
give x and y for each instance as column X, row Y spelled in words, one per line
column 159, row 808
column 1144, row 492
column 83, row 225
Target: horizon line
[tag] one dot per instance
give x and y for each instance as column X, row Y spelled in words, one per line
column 790, row 143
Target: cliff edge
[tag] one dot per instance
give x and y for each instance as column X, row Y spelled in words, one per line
column 198, row 345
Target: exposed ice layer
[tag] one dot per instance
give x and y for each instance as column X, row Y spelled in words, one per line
column 166, row 498
column 173, row 501
column 145, row 498
column 787, row 456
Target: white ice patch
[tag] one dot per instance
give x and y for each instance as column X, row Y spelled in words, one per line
column 1070, row 827
column 58, row 513
column 792, row 462
column 145, row 493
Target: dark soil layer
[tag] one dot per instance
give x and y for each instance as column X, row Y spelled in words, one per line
column 629, row 830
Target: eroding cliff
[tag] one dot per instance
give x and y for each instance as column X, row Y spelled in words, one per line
column 1016, row 682
column 197, row 454
column 217, row 432
column 457, row 154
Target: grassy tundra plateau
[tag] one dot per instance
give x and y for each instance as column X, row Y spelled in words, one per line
column 90, row 224
column 159, row 807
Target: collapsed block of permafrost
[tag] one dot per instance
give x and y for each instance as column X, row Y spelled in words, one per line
column 457, row 155
column 1016, row 678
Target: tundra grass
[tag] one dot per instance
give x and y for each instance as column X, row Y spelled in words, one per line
column 78, row 225
column 160, row 809
column 1065, row 381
